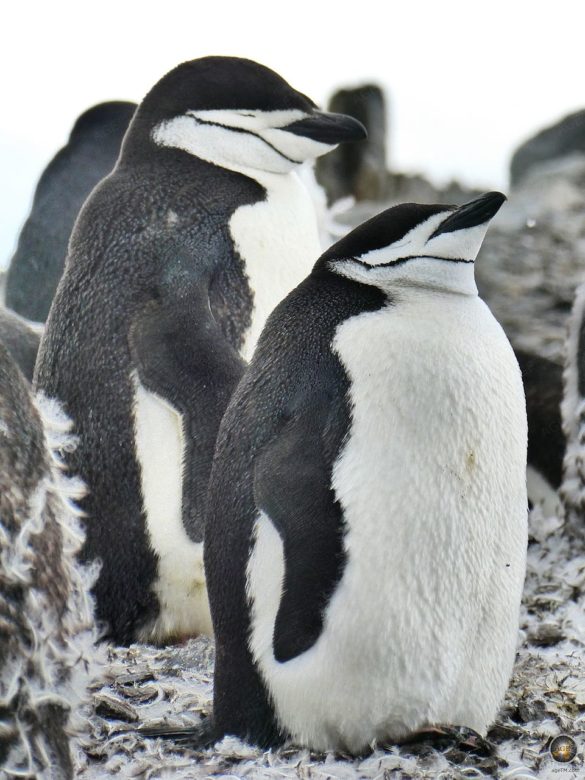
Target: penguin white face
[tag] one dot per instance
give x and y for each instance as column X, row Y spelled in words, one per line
column 275, row 141
column 236, row 114
column 419, row 246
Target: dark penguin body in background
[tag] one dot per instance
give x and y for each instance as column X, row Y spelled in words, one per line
column 543, row 386
column 168, row 282
column 366, row 533
column 21, row 338
column 90, row 154
column 47, row 630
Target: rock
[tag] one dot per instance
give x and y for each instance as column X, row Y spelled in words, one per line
column 358, row 169
column 90, row 154
column 565, row 137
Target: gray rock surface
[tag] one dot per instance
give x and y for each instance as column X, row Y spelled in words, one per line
column 358, row 169
column 546, row 697
column 565, row 137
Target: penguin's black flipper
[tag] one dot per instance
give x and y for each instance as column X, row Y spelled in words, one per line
column 291, row 485
column 198, row 737
column 181, row 355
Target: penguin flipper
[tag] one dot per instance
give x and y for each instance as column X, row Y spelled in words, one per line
column 181, row 355
column 292, row 486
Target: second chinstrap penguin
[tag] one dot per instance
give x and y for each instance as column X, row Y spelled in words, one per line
column 367, row 523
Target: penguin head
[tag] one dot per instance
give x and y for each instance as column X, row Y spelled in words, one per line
column 421, row 246
column 238, row 114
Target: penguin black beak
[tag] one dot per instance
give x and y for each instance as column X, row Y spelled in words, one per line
column 476, row 212
column 328, row 128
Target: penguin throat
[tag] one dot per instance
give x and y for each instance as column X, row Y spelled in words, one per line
column 432, row 273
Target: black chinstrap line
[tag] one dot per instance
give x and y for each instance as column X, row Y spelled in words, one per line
column 402, row 260
column 247, row 132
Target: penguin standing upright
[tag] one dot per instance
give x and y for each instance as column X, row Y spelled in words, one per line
column 174, row 264
column 367, row 517
column 90, row 154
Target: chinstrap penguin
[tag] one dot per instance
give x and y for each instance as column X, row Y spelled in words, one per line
column 367, row 515
column 174, row 264
column 90, row 154
column 47, row 631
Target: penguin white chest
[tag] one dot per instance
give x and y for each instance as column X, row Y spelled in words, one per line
column 423, row 624
column 278, row 240
column 180, row 585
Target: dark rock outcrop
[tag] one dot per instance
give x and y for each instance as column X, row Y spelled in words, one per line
column 358, row 169
column 564, row 138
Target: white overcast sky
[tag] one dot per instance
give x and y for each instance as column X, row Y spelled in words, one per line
column 467, row 80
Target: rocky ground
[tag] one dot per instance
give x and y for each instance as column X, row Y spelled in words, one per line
column 528, row 269
column 147, row 685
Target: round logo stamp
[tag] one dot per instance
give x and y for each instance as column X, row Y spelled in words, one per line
column 563, row 749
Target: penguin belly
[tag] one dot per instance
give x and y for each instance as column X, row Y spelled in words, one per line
column 422, row 627
column 180, row 584
column 278, row 239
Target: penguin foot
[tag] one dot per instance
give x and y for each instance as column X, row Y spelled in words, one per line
column 460, row 738
column 198, row 737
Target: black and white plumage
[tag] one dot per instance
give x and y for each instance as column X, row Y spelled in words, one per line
column 47, row 633
column 367, row 524
column 174, row 264
column 90, row 154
